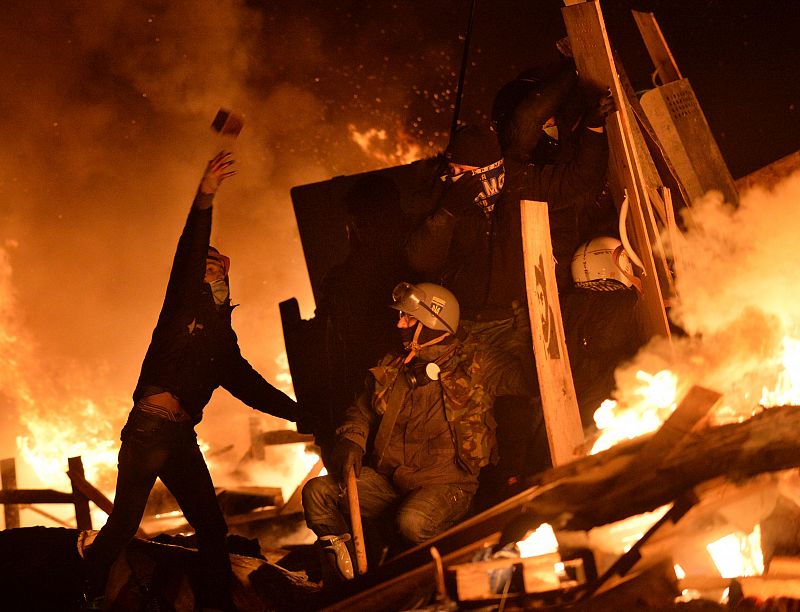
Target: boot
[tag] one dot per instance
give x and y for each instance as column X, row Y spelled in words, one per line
column 337, row 565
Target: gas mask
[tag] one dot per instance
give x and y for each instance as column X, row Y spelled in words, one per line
column 419, row 373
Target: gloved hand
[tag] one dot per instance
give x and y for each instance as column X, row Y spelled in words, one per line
column 458, row 196
column 346, row 454
column 596, row 115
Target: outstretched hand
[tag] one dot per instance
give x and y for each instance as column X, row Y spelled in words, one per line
column 217, row 170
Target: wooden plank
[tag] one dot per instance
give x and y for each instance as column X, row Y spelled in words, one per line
column 771, row 174
column 35, row 496
column 595, row 63
column 8, row 478
column 657, row 48
column 89, row 491
column 682, row 129
column 96, row 496
column 83, row 517
column 693, row 407
column 675, row 237
column 559, row 402
column 586, row 493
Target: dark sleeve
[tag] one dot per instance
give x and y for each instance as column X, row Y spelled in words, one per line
column 247, row 385
column 189, row 264
column 525, row 124
column 427, row 246
column 563, row 185
column 506, row 374
column 359, row 418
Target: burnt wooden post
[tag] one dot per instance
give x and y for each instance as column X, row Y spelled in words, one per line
column 8, row 476
column 83, row 517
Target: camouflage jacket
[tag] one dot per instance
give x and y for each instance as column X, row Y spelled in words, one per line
column 470, row 379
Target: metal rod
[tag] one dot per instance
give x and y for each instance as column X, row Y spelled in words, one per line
column 463, row 72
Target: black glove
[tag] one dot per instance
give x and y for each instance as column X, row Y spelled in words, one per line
column 596, row 115
column 458, row 196
column 345, row 454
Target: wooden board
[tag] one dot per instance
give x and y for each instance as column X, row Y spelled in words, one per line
column 657, row 48
column 682, row 129
column 559, row 402
column 596, row 67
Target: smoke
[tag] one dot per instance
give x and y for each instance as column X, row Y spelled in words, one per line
column 741, row 259
column 105, row 118
column 738, row 304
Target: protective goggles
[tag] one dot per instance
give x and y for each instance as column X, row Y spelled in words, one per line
column 410, row 299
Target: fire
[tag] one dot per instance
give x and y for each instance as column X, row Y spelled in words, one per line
column 540, row 541
column 82, row 431
column 738, row 554
column 61, row 419
column 657, row 393
column 397, row 150
column 786, row 391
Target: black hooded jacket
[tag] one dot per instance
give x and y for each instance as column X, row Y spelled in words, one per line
column 194, row 350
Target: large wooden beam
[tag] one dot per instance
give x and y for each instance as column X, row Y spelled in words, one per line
column 595, row 62
column 559, row 403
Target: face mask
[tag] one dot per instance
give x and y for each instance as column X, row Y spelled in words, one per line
column 492, row 178
column 219, row 289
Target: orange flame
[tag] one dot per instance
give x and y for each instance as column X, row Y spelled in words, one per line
column 376, row 143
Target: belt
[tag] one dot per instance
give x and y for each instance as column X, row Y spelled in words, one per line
column 163, row 405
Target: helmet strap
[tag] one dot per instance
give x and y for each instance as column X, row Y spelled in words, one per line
column 635, row 280
column 415, row 347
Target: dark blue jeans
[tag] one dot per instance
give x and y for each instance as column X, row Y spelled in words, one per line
column 418, row 515
column 156, row 448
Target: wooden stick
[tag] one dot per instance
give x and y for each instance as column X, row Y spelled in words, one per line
column 8, row 476
column 355, row 519
column 83, row 517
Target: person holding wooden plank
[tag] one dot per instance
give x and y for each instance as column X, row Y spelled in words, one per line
column 475, row 250
column 598, row 301
column 423, row 427
column 193, row 351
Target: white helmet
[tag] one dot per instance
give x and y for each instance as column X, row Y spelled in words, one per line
column 602, row 265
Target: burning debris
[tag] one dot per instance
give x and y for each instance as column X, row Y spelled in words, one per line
column 686, row 492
